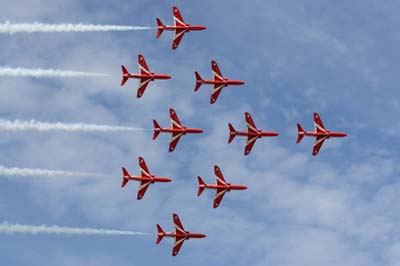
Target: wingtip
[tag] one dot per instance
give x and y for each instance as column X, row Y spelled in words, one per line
column 216, row 168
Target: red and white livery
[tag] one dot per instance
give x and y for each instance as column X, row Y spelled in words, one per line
column 145, row 178
column 252, row 133
column 177, row 130
column 179, row 27
column 320, row 134
column 218, row 81
column 144, row 76
column 180, row 234
column 221, row 186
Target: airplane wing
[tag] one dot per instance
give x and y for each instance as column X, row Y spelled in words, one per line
column 178, row 37
column 216, row 72
column 319, row 140
column 218, row 176
column 219, row 195
column 143, row 188
column 319, row 126
column 177, row 245
column 178, row 224
column 144, row 171
column 174, row 119
column 251, row 126
column 143, row 68
column 178, row 19
column 175, row 137
column 178, row 230
column 142, row 86
column 215, row 92
column 251, row 140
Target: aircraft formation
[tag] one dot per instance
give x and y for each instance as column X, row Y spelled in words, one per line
column 252, row 133
column 177, row 130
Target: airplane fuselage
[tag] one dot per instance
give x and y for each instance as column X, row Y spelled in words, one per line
column 153, row 76
column 184, row 130
column 258, row 134
column 186, row 236
column 227, row 187
column 327, row 134
column 224, row 82
column 187, row 27
column 153, row 179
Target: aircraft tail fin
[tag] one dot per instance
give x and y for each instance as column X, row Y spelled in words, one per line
column 300, row 133
column 160, row 234
column 201, row 186
column 232, row 133
column 157, row 129
column 160, row 27
column 125, row 176
column 199, row 81
column 124, row 77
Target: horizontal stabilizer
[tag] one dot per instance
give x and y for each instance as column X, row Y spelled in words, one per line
column 199, row 81
column 201, row 186
column 300, row 133
column 125, row 177
column 232, row 133
column 157, row 129
column 160, row 234
column 124, row 78
column 160, row 27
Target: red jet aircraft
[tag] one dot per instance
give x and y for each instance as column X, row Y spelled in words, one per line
column 253, row 133
column 180, row 234
column 221, row 186
column 145, row 76
column 219, row 82
column 320, row 134
column 145, row 178
column 177, row 130
column 180, row 27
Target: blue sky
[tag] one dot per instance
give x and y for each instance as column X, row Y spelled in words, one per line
column 336, row 58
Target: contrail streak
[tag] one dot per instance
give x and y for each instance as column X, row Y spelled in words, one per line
column 45, row 73
column 29, row 172
column 32, row 125
column 57, row 230
column 11, row 28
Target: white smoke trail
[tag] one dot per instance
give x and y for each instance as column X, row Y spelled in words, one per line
column 45, row 73
column 57, row 230
column 29, row 172
column 32, row 125
column 11, row 28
